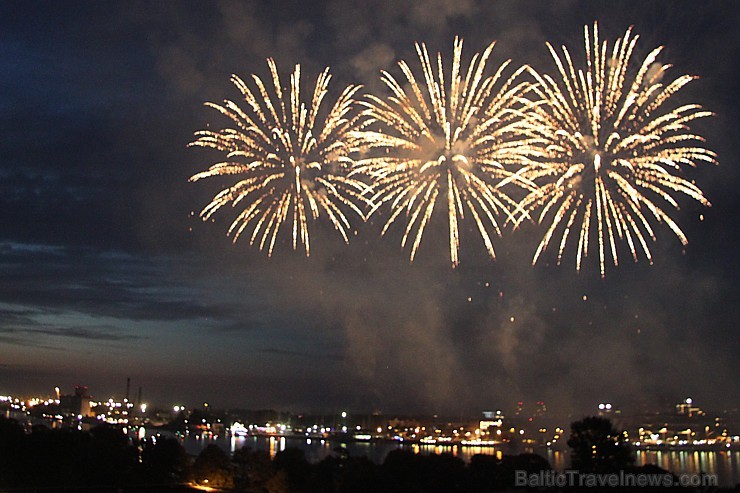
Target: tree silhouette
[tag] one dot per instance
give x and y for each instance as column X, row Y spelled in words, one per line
column 112, row 456
column 357, row 475
column 11, row 440
column 598, row 447
column 406, row 471
column 484, row 473
column 253, row 469
column 213, row 468
column 164, row 460
column 278, row 483
column 292, row 462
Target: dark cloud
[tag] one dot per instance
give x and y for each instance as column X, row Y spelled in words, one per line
column 88, row 333
column 123, row 286
column 7, row 336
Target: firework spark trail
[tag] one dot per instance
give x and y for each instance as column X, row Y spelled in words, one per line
column 451, row 141
column 291, row 165
column 614, row 150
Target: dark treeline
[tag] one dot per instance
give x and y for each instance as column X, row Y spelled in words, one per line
column 401, row 471
column 104, row 459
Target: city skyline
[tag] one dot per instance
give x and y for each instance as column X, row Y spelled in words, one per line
column 108, row 272
column 670, row 425
column 519, row 409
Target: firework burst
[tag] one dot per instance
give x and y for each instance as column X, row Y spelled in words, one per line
column 291, row 162
column 614, row 147
column 445, row 141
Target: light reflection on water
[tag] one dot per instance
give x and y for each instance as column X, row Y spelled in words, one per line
column 726, row 465
column 317, row 449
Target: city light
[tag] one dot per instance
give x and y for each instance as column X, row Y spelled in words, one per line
column 688, row 428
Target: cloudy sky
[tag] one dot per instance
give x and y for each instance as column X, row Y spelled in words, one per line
column 105, row 273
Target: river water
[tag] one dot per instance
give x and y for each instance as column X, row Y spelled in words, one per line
column 725, row 464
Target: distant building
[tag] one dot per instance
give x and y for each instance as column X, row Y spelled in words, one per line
column 607, row 409
column 491, row 419
column 77, row 404
column 519, row 408
column 687, row 408
column 540, row 408
column 687, row 425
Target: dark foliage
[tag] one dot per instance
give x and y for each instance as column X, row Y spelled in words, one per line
column 164, row 460
column 598, row 447
column 213, row 468
column 252, row 469
column 69, row 458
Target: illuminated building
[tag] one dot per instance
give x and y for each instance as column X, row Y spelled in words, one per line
column 491, row 420
column 607, row 409
column 77, row 404
column 540, row 408
column 519, row 408
column 687, row 408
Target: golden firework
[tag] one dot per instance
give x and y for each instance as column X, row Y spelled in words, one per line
column 615, row 148
column 291, row 161
column 451, row 140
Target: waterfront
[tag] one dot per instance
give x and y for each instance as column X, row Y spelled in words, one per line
column 726, row 465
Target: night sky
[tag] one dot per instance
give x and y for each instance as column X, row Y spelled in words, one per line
column 105, row 273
